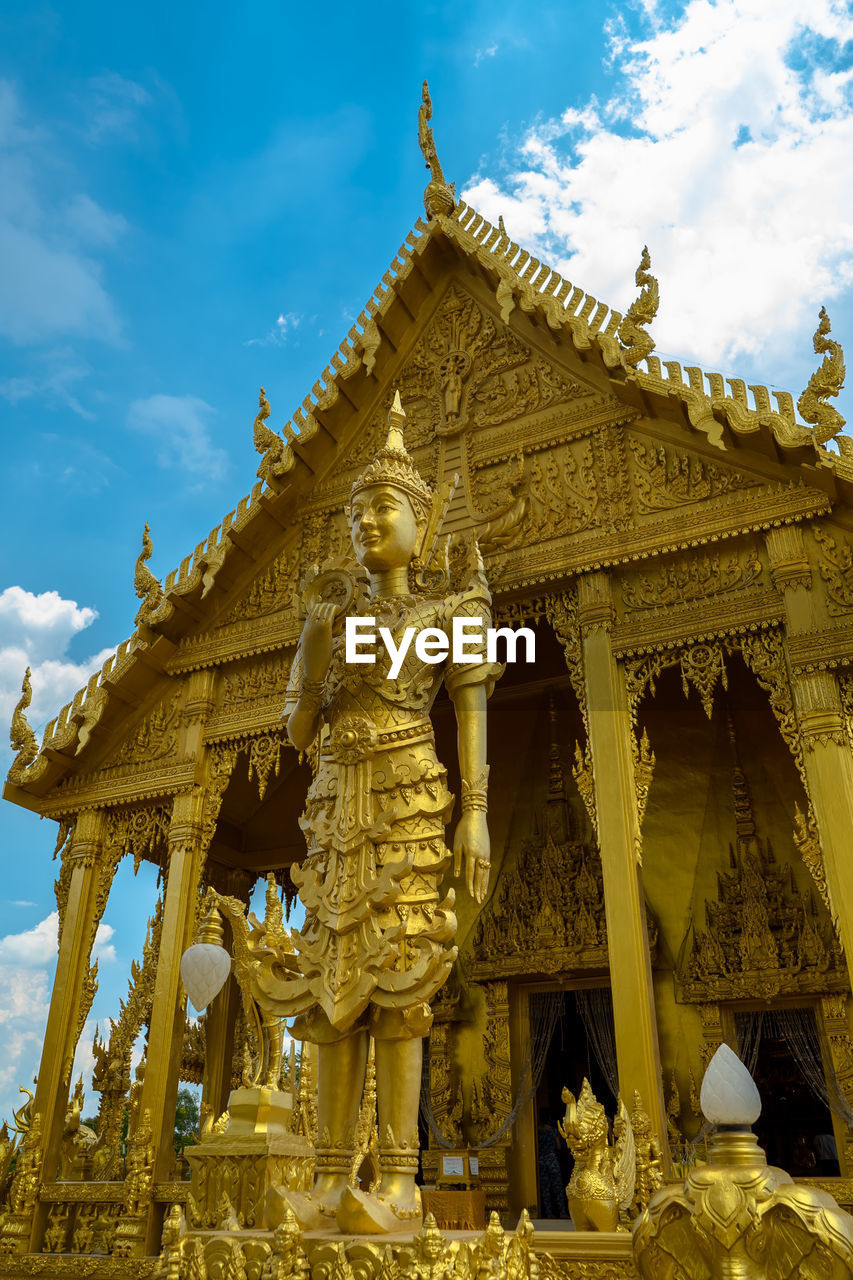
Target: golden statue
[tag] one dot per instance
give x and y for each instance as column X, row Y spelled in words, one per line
column 377, row 943
column 602, row 1180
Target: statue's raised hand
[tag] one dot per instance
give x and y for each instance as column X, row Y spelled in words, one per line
column 317, row 640
column 471, row 845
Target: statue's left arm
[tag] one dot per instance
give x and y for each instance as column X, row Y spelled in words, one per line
column 470, row 684
column 471, row 842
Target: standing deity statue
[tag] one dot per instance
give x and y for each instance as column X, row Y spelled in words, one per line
column 377, row 942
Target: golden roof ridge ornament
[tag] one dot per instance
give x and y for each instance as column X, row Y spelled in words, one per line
column 269, row 444
column 146, row 586
column 632, row 331
column 21, row 735
column 439, row 196
column 826, row 381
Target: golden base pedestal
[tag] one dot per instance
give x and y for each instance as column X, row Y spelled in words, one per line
column 256, row 1152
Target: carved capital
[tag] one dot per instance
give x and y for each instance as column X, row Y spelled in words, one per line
column 789, row 566
column 817, row 691
column 595, row 603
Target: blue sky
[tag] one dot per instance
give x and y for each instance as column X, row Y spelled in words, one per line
column 195, row 200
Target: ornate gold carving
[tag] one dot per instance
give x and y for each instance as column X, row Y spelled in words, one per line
column 684, row 582
column 562, row 613
column 275, row 590
column 644, row 768
column 21, row 735
column 155, row 738
column 147, row 587
column 665, row 477
column 649, row 1161
column 642, row 311
column 807, row 840
column 547, row 915
column 256, row 680
column 276, row 458
column 826, row 381
column 439, row 198
column 582, row 774
column 702, row 666
column 603, row 1178
column 264, row 759
column 111, row 1074
column 764, row 654
column 762, row 936
column 836, row 570
column 736, row 1216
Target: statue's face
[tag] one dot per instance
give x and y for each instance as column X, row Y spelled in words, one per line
column 384, row 528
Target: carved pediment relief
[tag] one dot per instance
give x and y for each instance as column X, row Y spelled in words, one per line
column 152, row 739
column 468, row 373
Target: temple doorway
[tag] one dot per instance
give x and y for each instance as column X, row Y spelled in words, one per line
column 582, row 1046
column 782, row 1050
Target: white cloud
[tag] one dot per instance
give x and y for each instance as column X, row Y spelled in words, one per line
column 179, row 427
column 42, row 624
column 52, row 285
column 26, row 968
column 281, row 332
column 36, row 946
column 488, row 52
column 113, row 107
column 54, row 376
column 35, row 631
column 727, row 150
column 92, row 224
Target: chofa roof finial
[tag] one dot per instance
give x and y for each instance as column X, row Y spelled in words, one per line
column 826, row 381
column 439, row 197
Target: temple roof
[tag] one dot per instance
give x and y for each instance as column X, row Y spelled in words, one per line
column 723, row 416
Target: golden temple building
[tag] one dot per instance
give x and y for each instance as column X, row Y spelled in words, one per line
column 671, row 789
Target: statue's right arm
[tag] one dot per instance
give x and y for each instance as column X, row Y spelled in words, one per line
column 316, row 645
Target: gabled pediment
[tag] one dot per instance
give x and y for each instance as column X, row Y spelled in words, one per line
column 568, row 460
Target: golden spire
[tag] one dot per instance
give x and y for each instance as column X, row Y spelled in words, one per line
column 642, row 311
column 824, row 382
column 393, row 465
column 741, row 799
column 439, row 198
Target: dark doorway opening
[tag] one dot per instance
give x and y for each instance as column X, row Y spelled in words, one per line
column 795, row 1126
column 570, row 1058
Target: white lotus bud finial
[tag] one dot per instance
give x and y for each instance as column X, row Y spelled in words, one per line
column 728, row 1095
column 205, row 965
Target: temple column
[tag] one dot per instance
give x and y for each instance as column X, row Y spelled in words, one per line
column 77, row 929
column 827, row 757
column 141, row 1227
column 610, row 735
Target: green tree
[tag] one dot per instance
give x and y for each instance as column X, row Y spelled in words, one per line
column 187, row 1118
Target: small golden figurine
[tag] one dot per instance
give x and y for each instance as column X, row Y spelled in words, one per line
column 602, row 1180
column 377, row 942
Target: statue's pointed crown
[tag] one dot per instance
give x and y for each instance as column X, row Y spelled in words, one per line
column 393, row 465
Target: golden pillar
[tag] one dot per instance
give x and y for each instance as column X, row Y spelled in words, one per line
column 168, row 1006
column 610, row 733
column 77, row 934
column 827, row 757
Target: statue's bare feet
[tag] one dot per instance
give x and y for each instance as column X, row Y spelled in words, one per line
column 361, row 1213
column 314, row 1210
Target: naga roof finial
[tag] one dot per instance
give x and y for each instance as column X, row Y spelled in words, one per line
column 146, row 586
column 21, row 735
column 642, row 311
column 439, row 197
column 824, row 382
